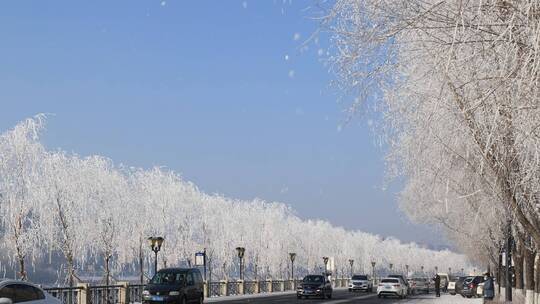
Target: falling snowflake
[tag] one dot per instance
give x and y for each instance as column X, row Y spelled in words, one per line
column 320, row 52
column 296, row 36
column 244, row 4
column 291, row 73
column 163, row 3
column 286, row 57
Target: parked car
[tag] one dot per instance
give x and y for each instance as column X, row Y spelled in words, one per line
column 419, row 285
column 445, row 278
column 361, row 282
column 314, row 286
column 480, row 290
column 403, row 281
column 392, row 287
column 13, row 291
column 452, row 284
column 175, row 285
column 459, row 285
column 470, row 285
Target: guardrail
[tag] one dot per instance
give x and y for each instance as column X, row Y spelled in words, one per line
column 125, row 293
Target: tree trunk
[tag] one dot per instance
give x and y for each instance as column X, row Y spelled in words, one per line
column 518, row 268
column 529, row 257
column 107, row 277
column 141, row 263
column 22, row 270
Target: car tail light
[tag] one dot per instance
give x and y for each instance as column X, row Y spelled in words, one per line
column 471, row 285
column 396, row 285
column 381, row 285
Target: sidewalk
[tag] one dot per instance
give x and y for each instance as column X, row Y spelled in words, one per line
column 444, row 299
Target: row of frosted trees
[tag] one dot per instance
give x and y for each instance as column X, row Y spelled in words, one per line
column 94, row 215
column 458, row 86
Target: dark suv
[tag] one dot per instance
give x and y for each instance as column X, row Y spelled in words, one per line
column 315, row 286
column 175, row 285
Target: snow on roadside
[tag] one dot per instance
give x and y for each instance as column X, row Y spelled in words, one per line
column 444, row 299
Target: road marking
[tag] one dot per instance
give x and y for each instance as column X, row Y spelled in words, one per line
column 350, row 299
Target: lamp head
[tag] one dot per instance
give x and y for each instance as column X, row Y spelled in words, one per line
column 292, row 255
column 241, row 251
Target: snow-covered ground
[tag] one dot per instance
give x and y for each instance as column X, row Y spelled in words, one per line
column 444, row 299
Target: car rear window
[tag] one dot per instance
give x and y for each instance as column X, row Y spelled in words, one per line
column 389, row 281
column 359, row 277
column 314, row 279
column 169, row 278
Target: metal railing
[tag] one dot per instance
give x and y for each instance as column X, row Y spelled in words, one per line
column 65, row 294
column 132, row 293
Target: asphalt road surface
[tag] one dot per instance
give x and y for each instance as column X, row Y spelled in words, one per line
column 339, row 296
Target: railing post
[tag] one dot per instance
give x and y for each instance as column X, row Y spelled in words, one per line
column 257, row 288
column 205, row 292
column 83, row 294
column 281, row 285
column 240, row 284
column 123, row 293
column 223, row 288
column 269, row 285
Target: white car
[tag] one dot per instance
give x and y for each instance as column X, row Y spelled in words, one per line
column 12, row 291
column 360, row 282
column 392, row 287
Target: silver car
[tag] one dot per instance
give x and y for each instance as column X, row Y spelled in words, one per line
column 12, row 291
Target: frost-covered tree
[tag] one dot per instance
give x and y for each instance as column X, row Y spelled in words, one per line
column 21, row 159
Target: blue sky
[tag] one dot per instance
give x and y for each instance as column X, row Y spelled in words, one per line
column 224, row 92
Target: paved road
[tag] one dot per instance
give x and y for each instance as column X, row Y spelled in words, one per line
column 339, row 296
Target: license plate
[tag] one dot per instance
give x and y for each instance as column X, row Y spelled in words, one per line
column 387, row 287
column 157, row 298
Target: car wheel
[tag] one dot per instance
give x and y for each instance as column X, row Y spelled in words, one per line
column 298, row 297
column 201, row 299
column 379, row 296
column 329, row 296
column 183, row 301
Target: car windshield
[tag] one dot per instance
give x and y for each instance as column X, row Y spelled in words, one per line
column 359, row 277
column 169, row 278
column 313, row 279
column 389, row 281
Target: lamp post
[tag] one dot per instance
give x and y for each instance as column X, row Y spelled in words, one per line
column 373, row 270
column 407, row 269
column 436, row 269
column 351, row 261
column 422, row 268
column 325, row 260
column 241, row 251
column 391, row 266
column 155, row 245
column 292, row 256
column 449, row 270
column 462, row 271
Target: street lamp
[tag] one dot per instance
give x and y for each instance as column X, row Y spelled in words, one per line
column 391, row 265
column 422, row 268
column 436, row 269
column 462, row 271
column 351, row 261
column 325, row 260
column 155, row 245
column 407, row 269
column 292, row 256
column 241, row 251
column 449, row 270
column 373, row 270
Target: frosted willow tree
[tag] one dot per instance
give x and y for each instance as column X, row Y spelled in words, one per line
column 65, row 219
column 21, row 194
column 459, row 81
